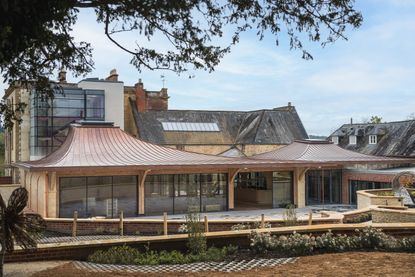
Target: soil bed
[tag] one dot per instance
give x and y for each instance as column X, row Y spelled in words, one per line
column 341, row 264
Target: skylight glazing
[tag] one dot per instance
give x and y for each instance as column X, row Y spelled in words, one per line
column 191, row 126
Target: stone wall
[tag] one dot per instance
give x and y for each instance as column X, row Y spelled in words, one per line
column 392, row 216
column 367, row 198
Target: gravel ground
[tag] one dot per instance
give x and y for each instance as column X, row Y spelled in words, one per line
column 30, row 268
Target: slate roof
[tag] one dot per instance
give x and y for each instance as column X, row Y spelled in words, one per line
column 323, row 152
column 395, row 139
column 277, row 126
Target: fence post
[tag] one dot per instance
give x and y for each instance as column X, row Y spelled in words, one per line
column 310, row 218
column 262, row 221
column 165, row 223
column 74, row 224
column 206, row 224
column 121, row 223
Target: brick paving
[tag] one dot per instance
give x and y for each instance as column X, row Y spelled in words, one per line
column 228, row 266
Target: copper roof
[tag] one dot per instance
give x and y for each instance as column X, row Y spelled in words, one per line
column 88, row 146
column 106, row 146
column 323, row 152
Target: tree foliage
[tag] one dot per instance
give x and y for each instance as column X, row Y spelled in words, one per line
column 36, row 40
column 376, row 119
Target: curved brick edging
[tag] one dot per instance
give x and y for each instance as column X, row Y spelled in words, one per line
column 228, row 266
column 79, row 250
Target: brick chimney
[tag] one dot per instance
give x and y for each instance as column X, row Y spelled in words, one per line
column 62, row 75
column 140, row 96
column 113, row 75
column 150, row 100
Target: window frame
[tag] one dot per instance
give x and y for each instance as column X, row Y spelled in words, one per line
column 353, row 141
column 373, row 139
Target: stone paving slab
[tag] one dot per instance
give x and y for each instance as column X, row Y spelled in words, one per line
column 228, row 266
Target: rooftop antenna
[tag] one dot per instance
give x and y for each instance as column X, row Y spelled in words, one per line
column 163, row 79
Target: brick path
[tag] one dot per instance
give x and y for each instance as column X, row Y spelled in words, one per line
column 229, row 266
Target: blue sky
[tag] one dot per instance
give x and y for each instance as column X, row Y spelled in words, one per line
column 373, row 73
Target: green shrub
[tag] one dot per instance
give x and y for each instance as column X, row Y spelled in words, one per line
column 297, row 244
column 248, row 226
column 128, row 255
column 173, row 257
column 115, row 255
column 372, row 238
column 196, row 242
column 407, row 244
column 359, row 219
column 290, row 216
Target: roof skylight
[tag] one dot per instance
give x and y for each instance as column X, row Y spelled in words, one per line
column 190, row 126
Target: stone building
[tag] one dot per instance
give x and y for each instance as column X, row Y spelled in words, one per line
column 391, row 139
column 242, row 133
column 45, row 121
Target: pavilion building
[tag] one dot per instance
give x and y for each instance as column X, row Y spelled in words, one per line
column 100, row 170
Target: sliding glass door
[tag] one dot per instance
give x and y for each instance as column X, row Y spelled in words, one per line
column 323, row 187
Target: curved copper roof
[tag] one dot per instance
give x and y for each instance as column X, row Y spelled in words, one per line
column 323, row 152
column 92, row 146
column 88, row 147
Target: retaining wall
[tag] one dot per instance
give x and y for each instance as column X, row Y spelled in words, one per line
column 79, row 250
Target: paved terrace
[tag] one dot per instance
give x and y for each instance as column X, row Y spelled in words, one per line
column 270, row 214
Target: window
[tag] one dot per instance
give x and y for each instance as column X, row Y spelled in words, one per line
column 373, row 139
column 98, row 196
column 335, row 140
column 190, row 126
column 251, row 180
column 178, row 193
column 49, row 117
column 352, row 140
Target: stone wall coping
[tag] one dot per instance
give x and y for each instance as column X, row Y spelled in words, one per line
column 382, row 209
column 364, row 210
column 371, row 195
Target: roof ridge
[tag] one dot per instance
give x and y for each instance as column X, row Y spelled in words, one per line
column 261, row 118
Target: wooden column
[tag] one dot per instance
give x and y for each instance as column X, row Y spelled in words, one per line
column 299, row 187
column 46, row 196
column 231, row 187
column 141, row 180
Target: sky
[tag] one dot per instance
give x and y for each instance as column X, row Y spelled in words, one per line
column 372, row 73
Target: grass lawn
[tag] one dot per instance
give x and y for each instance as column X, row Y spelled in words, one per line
column 343, row 264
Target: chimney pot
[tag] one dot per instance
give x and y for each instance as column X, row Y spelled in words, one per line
column 113, row 75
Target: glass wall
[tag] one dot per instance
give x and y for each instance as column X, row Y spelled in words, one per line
column 177, row 193
column 355, row 185
column 251, row 180
column 102, row 196
column 282, row 189
column 50, row 117
column 323, row 187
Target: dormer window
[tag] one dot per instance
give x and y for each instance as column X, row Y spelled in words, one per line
column 352, row 140
column 373, row 139
column 335, row 139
